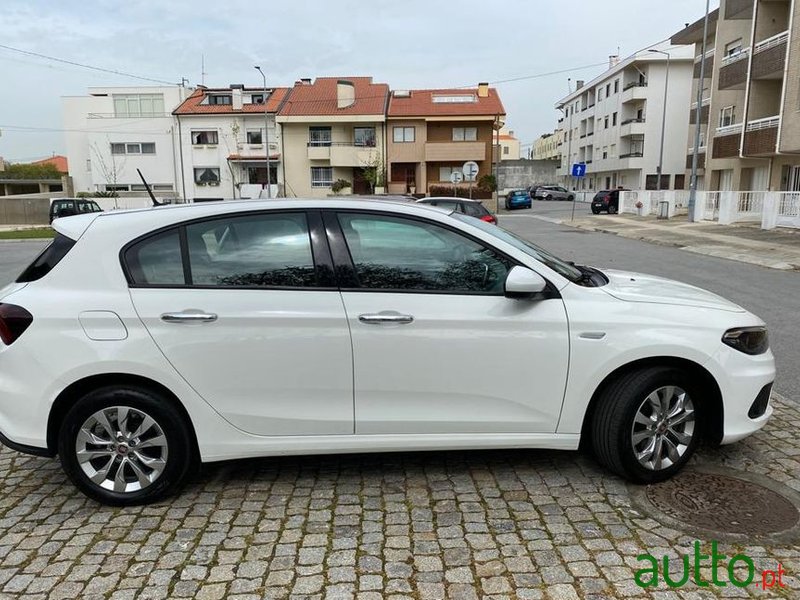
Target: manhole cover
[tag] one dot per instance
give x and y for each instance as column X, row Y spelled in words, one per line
column 723, row 504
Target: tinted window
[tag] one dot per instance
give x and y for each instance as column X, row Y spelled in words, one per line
column 473, row 209
column 49, row 258
column 252, row 250
column 447, row 204
column 392, row 253
column 156, row 260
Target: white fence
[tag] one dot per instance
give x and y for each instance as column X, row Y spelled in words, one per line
column 770, row 209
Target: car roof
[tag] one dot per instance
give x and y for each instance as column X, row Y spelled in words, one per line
column 448, row 198
column 74, row 226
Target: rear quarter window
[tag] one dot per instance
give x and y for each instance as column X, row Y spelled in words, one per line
column 47, row 259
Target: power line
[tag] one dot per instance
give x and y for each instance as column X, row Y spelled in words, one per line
column 85, row 66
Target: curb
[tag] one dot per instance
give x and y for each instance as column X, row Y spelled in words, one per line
column 17, row 240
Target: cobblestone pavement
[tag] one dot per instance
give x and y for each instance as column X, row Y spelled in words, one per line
column 522, row 524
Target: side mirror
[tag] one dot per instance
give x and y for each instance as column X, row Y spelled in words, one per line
column 522, row 283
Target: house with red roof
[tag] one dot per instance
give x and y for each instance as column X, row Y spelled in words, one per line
column 223, row 145
column 432, row 133
column 333, row 129
column 59, row 161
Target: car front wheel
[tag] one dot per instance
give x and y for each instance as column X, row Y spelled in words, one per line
column 646, row 426
column 125, row 446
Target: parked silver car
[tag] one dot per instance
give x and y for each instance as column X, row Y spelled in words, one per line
column 552, row 192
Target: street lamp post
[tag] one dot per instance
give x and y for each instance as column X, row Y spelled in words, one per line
column 266, row 132
column 663, row 117
column 698, row 112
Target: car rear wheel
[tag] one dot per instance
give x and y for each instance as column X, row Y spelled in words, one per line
column 548, row 197
column 125, row 446
column 647, row 424
column 595, row 211
column 612, row 209
column 570, row 198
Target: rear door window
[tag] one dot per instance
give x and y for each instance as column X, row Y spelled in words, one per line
column 473, row 209
column 156, row 260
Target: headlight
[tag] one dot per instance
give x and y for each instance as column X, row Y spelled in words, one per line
column 750, row 340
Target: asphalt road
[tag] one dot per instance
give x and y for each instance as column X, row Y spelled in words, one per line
column 772, row 295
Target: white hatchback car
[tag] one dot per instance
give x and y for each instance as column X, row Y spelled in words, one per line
column 140, row 343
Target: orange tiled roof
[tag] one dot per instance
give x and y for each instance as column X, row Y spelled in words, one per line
column 419, row 103
column 319, row 98
column 192, row 106
column 59, row 161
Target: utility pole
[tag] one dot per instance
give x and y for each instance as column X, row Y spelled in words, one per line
column 497, row 168
column 663, row 118
column 697, row 113
column 266, row 133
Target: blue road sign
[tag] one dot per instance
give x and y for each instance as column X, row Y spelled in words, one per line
column 578, row 170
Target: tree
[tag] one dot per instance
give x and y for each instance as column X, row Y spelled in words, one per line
column 374, row 171
column 110, row 168
column 233, row 169
column 30, row 171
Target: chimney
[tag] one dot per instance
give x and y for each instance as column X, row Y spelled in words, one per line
column 345, row 94
column 483, row 90
column 579, row 84
column 236, row 96
column 305, row 81
column 613, row 61
column 511, row 132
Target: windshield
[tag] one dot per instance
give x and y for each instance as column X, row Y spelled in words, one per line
column 561, row 267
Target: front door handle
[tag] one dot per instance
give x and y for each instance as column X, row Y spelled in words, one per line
column 386, row 318
column 189, row 316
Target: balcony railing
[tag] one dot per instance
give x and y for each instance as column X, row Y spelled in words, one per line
column 627, row 121
column 771, row 42
column 728, row 130
column 632, row 155
column 736, row 57
column 706, row 102
column 766, row 123
column 708, row 54
column 634, row 84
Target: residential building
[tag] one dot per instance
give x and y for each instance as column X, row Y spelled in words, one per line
column 548, row 146
column 113, row 131
column 57, row 160
column 509, row 145
column 222, row 144
column 332, row 129
column 433, row 132
column 613, row 124
column 753, row 136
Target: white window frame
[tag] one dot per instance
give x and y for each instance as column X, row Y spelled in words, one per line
column 727, row 115
column 212, row 133
column 465, row 134
column 735, row 47
column 404, row 138
column 117, row 148
column 133, row 148
column 260, row 133
column 314, row 137
column 211, row 183
column 445, row 172
column 320, row 181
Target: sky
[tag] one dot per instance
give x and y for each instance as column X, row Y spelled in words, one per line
column 407, row 44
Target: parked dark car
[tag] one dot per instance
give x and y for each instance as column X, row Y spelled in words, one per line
column 552, row 192
column 606, row 201
column 66, row 207
column 518, row 199
column 471, row 208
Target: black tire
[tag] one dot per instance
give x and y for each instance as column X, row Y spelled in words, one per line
column 181, row 453
column 570, row 198
column 613, row 418
column 595, row 211
column 548, row 198
column 612, row 209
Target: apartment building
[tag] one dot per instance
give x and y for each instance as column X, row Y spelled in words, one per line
column 752, row 139
column 548, row 146
column 332, row 129
column 113, row 131
column 433, row 132
column 222, row 144
column 613, row 124
column 510, row 147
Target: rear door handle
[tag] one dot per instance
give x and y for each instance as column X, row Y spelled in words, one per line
column 386, row 318
column 189, row 316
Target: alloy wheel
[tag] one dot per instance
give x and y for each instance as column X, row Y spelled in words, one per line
column 121, row 449
column 663, row 428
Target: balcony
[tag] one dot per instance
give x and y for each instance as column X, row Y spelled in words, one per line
column 733, row 70
column 454, row 151
column 726, row 141
column 704, row 108
column 319, row 151
column 346, row 154
column 709, row 66
column 761, row 136
column 769, row 57
column 631, row 127
column 635, row 90
column 701, row 158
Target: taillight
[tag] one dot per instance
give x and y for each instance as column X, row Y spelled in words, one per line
column 489, row 219
column 14, row 320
